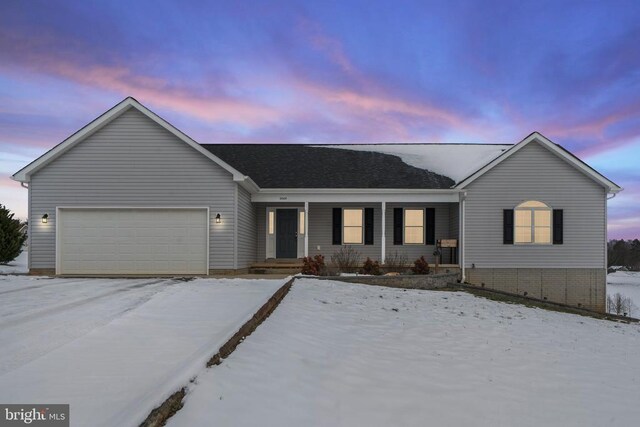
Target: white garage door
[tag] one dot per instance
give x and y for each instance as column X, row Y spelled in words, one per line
column 132, row 241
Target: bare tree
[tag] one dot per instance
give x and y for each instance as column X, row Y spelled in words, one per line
column 619, row 304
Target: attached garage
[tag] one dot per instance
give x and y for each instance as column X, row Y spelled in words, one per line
column 132, row 241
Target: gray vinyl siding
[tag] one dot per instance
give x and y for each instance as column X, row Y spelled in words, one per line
column 321, row 234
column 534, row 173
column 261, row 231
column 413, row 252
column 132, row 161
column 454, row 221
column 247, row 229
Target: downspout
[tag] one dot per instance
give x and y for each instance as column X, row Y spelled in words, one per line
column 463, row 197
column 29, row 224
column 235, row 230
column 606, row 231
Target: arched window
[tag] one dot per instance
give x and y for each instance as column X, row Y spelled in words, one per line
column 532, row 223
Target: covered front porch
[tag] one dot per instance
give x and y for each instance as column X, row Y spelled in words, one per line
column 378, row 225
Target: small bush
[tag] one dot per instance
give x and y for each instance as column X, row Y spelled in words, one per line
column 313, row 266
column 371, row 267
column 420, row 266
column 396, row 262
column 11, row 238
column 346, row 259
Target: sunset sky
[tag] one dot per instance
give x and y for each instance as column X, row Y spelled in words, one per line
column 331, row 72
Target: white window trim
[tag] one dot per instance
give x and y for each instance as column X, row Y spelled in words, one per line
column 362, row 226
column 404, row 226
column 533, row 223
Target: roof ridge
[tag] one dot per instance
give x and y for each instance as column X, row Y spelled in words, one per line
column 306, row 144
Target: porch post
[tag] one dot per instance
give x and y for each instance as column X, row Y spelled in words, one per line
column 384, row 233
column 306, row 229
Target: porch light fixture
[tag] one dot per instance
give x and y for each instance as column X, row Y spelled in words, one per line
column 45, row 218
column 218, row 219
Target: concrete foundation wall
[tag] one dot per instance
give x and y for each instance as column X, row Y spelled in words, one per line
column 580, row 287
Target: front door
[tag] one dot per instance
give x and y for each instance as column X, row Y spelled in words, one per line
column 286, row 233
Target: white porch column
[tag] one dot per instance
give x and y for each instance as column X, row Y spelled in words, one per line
column 384, row 233
column 306, row 229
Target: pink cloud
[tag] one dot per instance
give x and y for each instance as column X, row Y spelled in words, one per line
column 329, row 45
column 33, row 56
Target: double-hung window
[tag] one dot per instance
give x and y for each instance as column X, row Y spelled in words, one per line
column 414, row 226
column 532, row 223
column 352, row 226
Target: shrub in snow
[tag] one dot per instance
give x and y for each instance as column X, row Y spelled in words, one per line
column 313, row 266
column 420, row 266
column 371, row 267
column 396, row 262
column 11, row 237
column 346, row 259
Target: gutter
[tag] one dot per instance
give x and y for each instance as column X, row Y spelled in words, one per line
column 463, row 242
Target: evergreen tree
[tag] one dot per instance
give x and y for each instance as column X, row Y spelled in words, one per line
column 11, row 238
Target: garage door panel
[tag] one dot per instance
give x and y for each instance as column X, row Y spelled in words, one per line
column 132, row 241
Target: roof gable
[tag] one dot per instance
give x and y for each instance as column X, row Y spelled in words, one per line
column 556, row 149
column 23, row 174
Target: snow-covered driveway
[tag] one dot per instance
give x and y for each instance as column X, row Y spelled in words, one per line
column 114, row 348
column 337, row 354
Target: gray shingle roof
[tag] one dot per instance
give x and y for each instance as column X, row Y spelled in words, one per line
column 304, row 166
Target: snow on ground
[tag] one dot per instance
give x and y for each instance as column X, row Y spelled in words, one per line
column 347, row 354
column 114, row 348
column 626, row 283
column 17, row 266
column 457, row 161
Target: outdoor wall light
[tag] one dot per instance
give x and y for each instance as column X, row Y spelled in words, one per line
column 45, row 218
column 218, row 219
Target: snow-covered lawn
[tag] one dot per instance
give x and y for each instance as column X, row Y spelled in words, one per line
column 626, row 283
column 114, row 348
column 17, row 266
column 337, row 354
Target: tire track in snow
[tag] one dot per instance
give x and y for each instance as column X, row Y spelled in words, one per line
column 47, row 285
column 17, row 320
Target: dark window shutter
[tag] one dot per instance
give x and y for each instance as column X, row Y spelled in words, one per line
column 337, row 226
column 368, row 226
column 507, row 227
column 430, row 226
column 397, row 226
column 558, row 226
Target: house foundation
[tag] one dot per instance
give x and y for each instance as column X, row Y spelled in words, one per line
column 579, row 287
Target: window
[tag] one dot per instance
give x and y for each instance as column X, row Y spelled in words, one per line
column 352, row 226
column 301, row 223
column 272, row 222
column 532, row 223
column 414, row 226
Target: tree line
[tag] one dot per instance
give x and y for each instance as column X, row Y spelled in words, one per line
column 625, row 253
